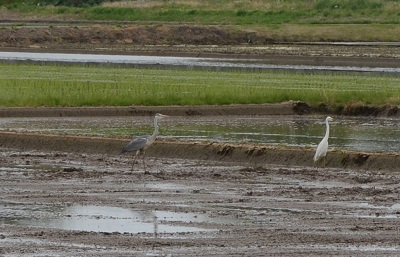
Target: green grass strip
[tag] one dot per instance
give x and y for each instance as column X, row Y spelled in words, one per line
column 32, row 85
column 223, row 11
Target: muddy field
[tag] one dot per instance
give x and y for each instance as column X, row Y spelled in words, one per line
column 70, row 196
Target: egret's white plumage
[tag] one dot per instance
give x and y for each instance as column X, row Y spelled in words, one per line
column 141, row 143
column 323, row 145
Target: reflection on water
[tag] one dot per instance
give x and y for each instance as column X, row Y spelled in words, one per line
column 100, row 218
column 363, row 134
column 184, row 62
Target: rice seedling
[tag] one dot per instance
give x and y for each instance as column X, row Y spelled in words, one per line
column 77, row 85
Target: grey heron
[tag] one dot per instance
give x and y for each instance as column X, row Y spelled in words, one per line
column 323, row 145
column 141, row 143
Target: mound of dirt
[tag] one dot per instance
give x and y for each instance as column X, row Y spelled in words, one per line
column 113, row 35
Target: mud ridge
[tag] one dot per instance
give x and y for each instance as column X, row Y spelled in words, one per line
column 243, row 154
column 286, row 108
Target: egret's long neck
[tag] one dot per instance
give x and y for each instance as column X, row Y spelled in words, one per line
column 327, row 130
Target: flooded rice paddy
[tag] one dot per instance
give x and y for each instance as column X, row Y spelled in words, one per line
column 351, row 133
column 182, row 62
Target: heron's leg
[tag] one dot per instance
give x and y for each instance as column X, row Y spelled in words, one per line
column 144, row 162
column 134, row 159
column 325, row 161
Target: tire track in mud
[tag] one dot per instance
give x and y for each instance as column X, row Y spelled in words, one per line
column 252, row 155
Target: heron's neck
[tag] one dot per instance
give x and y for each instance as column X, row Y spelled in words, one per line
column 155, row 133
column 327, row 130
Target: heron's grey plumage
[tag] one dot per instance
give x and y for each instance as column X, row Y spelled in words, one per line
column 136, row 144
column 140, row 143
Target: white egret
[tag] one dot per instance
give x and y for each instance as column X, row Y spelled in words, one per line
column 323, row 145
column 141, row 143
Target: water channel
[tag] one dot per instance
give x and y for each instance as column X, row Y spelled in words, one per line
column 351, row 133
column 183, row 62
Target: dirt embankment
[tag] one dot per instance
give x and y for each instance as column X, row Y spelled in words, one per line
column 285, row 108
column 252, row 155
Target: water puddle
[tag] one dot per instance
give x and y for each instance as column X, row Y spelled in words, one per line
column 372, row 248
column 101, row 219
column 353, row 133
column 366, row 210
column 353, row 247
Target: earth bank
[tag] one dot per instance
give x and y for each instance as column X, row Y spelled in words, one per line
column 252, row 155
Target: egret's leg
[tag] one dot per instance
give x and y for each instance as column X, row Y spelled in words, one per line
column 317, row 163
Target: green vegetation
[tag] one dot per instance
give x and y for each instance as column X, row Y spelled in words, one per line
column 277, row 21
column 241, row 12
column 31, row 3
column 61, row 85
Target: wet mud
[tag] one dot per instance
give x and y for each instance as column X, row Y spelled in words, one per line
column 70, row 196
column 66, row 203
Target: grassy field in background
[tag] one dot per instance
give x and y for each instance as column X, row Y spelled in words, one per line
column 279, row 21
column 32, row 85
column 240, row 12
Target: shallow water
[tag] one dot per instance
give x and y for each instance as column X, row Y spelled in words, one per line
column 93, row 218
column 185, row 62
column 352, row 133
